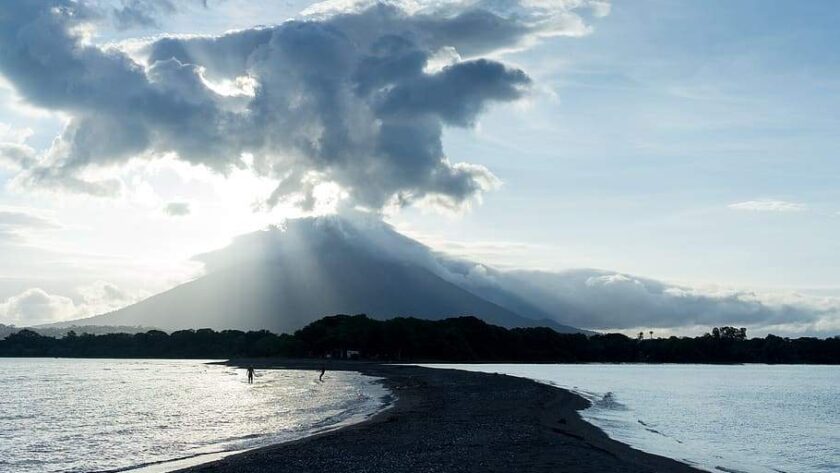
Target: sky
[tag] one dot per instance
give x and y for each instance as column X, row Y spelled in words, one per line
column 688, row 142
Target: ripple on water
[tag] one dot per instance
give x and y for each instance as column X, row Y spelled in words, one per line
column 746, row 418
column 101, row 415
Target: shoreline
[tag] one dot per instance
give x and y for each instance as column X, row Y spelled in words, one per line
column 450, row 420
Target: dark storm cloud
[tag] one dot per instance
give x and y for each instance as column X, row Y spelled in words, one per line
column 343, row 97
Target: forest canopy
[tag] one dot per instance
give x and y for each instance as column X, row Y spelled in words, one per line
column 462, row 339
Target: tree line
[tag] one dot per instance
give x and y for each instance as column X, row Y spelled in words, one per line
column 6, row 330
column 462, row 339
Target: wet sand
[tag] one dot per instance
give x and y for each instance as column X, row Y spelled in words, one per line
column 452, row 421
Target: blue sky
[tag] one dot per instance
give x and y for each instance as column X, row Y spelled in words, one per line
column 653, row 125
column 691, row 142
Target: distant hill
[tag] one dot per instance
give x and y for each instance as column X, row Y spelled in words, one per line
column 56, row 331
column 283, row 279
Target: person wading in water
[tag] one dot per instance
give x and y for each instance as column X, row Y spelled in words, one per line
column 250, row 375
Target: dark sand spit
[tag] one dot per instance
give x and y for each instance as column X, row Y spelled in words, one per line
column 453, row 421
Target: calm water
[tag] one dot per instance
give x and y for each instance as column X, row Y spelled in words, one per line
column 69, row 415
column 752, row 418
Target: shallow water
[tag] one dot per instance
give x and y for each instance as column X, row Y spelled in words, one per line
column 75, row 415
column 745, row 418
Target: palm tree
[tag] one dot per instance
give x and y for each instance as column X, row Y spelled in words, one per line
column 651, row 334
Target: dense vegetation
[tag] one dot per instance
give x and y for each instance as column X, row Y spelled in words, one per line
column 409, row 339
column 6, row 330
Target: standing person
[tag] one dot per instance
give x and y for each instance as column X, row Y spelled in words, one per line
column 250, row 375
column 323, row 370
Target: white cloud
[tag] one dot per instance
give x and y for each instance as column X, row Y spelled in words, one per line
column 102, row 296
column 600, row 8
column 16, row 222
column 767, row 205
column 10, row 134
column 621, row 302
column 13, row 217
column 35, row 306
column 13, row 148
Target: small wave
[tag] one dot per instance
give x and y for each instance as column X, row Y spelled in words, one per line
column 654, row 431
column 729, row 470
column 608, row 401
column 162, row 462
column 235, row 438
column 17, row 417
column 650, row 429
column 171, row 413
column 387, row 399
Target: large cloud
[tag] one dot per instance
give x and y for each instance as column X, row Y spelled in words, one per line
column 610, row 300
column 36, row 306
column 345, row 95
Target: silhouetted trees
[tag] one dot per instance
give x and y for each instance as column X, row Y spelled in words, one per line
column 731, row 333
column 202, row 343
column 6, row 330
column 409, row 339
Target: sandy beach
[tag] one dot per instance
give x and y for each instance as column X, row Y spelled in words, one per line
column 452, row 421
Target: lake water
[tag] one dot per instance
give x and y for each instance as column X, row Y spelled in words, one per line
column 80, row 415
column 749, row 418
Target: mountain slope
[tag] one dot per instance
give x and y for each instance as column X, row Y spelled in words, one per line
column 283, row 280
